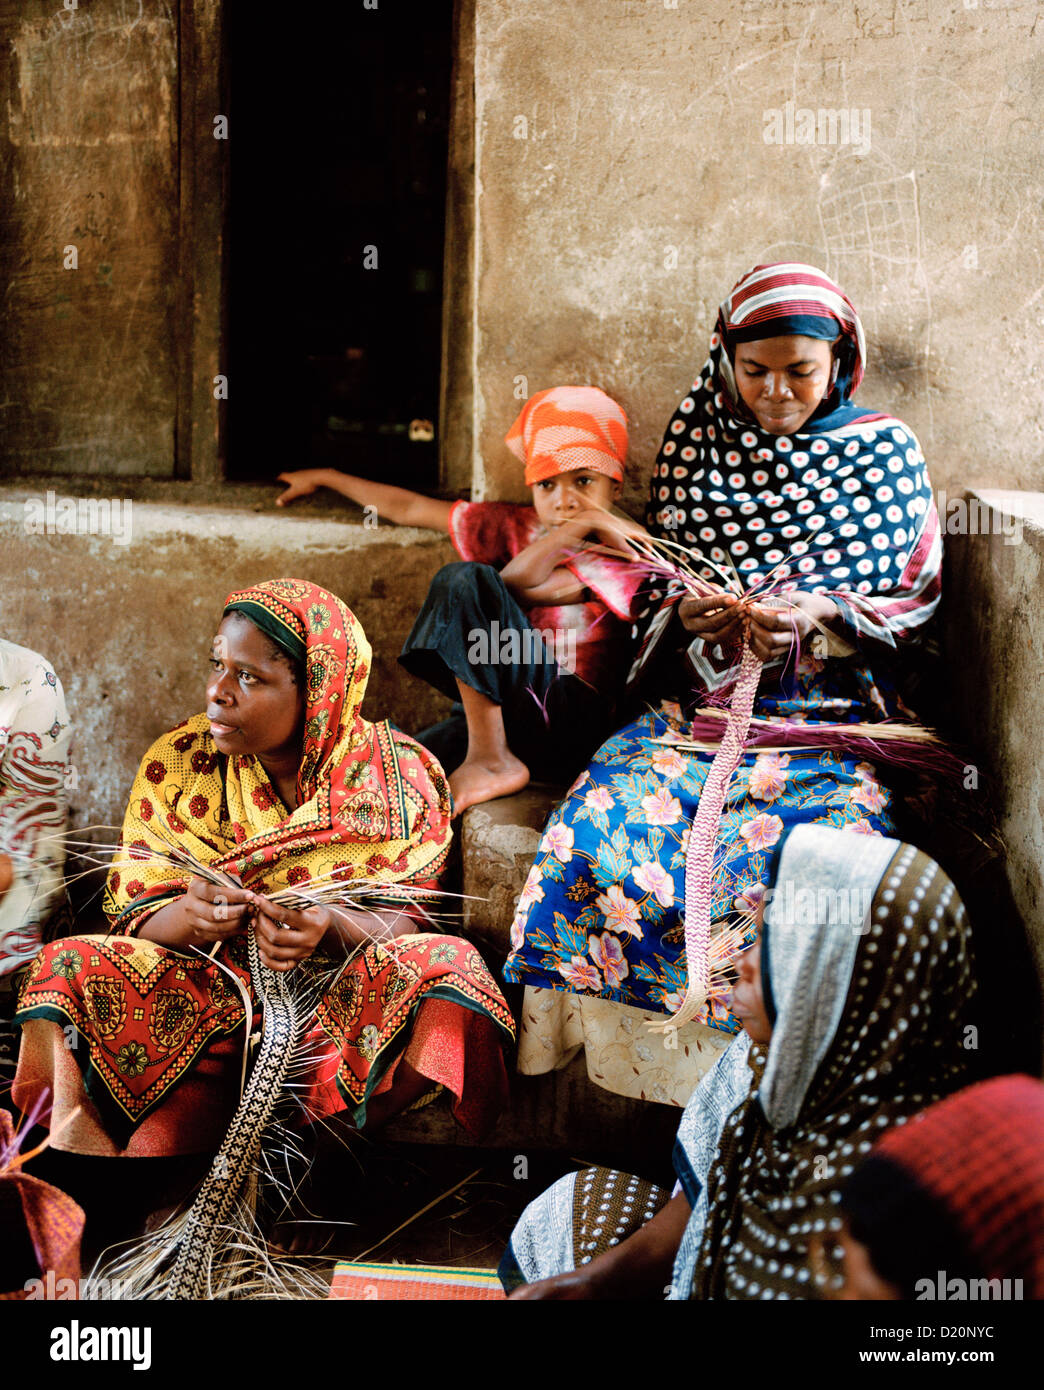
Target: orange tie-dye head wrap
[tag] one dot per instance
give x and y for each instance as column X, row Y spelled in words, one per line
column 567, row 428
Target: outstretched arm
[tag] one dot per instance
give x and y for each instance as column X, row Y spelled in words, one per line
column 395, row 504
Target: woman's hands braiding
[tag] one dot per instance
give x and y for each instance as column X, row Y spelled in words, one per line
column 719, row 618
column 285, row 937
column 211, row 912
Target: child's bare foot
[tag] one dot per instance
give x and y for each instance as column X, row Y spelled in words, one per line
column 483, row 780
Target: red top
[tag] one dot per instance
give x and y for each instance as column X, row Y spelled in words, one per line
column 492, row 533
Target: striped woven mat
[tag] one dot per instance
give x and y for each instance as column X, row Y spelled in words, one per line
column 404, row 1282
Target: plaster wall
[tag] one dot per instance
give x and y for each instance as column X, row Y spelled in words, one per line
column 624, row 183
column 88, row 237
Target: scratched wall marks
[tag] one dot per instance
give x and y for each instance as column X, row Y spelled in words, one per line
column 625, row 182
column 88, row 148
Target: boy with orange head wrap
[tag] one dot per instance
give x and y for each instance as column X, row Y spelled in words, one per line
column 531, row 629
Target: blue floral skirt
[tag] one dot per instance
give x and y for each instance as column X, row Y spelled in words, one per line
column 602, row 911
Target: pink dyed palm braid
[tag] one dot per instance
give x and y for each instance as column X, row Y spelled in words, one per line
column 703, row 835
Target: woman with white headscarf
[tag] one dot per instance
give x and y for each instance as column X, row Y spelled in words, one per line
column 856, row 1011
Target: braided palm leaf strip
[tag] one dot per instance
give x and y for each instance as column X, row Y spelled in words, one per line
column 235, row 1160
column 703, row 835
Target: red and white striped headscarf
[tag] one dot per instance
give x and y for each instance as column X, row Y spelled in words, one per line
column 567, row 428
column 789, row 297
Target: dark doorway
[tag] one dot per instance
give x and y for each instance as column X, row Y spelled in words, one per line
column 339, row 118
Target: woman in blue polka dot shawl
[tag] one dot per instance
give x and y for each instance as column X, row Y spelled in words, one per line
column 769, row 473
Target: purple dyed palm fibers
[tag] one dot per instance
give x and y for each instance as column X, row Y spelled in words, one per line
column 9, row 1153
column 541, row 704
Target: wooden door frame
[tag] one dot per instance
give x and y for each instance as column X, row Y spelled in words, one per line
column 457, row 435
column 203, row 181
column 203, row 176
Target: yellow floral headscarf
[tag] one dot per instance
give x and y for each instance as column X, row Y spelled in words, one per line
column 373, row 803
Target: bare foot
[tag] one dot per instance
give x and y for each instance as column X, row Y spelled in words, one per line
column 303, row 1237
column 306, row 1214
column 476, row 781
column 160, row 1217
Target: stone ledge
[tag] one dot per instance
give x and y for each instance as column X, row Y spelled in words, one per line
column 993, row 640
column 127, row 626
column 152, row 519
column 562, row 1110
column 499, row 841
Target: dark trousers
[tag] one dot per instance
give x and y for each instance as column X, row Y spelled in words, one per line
column 471, row 628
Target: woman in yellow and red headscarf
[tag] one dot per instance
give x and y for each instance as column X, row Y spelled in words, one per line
column 280, row 784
